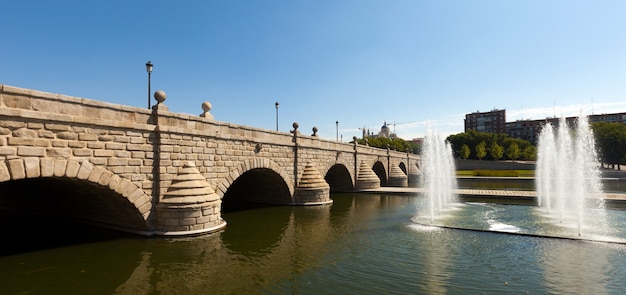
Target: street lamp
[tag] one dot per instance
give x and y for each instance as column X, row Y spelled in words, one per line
column 337, row 124
column 276, row 105
column 149, row 70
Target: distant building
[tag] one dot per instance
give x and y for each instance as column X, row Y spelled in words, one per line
column 609, row 118
column 527, row 129
column 530, row 129
column 385, row 132
column 493, row 121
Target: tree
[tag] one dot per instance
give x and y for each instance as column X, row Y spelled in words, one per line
column 611, row 142
column 472, row 138
column 481, row 150
column 396, row 144
column 513, row 151
column 464, row 152
column 529, row 153
column 496, row 151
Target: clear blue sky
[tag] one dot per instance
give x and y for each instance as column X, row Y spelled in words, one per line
column 359, row 62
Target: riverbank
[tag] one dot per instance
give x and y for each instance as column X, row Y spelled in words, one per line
column 513, row 197
column 461, row 164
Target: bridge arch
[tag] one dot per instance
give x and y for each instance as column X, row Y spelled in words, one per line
column 252, row 170
column 381, row 172
column 83, row 183
column 403, row 168
column 339, row 176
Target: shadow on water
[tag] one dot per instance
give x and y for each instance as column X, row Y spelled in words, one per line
column 26, row 232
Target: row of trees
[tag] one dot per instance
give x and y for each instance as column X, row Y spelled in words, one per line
column 610, row 142
column 494, row 146
column 396, row 144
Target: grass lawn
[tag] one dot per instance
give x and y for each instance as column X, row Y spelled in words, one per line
column 496, row 173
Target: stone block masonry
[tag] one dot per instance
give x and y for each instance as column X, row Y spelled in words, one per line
column 130, row 160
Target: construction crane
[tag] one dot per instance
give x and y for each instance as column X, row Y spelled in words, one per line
column 365, row 132
column 401, row 123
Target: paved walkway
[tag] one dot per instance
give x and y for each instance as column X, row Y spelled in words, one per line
column 480, row 192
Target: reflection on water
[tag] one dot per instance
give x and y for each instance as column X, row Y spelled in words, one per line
column 361, row 244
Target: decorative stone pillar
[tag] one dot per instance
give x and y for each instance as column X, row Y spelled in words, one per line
column 397, row 177
column 312, row 189
column 366, row 179
column 414, row 176
column 190, row 206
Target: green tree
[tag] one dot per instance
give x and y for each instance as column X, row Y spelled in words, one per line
column 396, row 144
column 529, row 153
column 464, row 152
column 481, row 150
column 513, row 151
column 611, row 142
column 496, row 151
column 472, row 138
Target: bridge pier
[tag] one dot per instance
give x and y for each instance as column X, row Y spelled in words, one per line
column 366, row 178
column 312, row 189
column 397, row 177
column 190, row 206
column 414, row 176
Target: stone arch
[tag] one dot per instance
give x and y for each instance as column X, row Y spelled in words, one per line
column 381, row 171
column 333, row 176
column 82, row 169
column 346, row 164
column 403, row 167
column 251, row 164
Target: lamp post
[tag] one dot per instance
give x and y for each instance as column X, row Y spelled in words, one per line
column 149, row 70
column 276, row 105
column 337, row 129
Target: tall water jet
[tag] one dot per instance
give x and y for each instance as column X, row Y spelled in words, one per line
column 439, row 173
column 568, row 171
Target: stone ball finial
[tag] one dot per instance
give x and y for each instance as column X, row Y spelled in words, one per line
column 295, row 128
column 314, row 131
column 160, row 96
column 206, row 106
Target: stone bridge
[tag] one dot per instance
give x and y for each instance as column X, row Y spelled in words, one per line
column 155, row 172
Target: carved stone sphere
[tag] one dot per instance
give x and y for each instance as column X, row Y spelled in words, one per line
column 206, row 106
column 160, row 96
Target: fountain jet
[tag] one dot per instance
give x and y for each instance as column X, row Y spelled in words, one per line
column 439, row 173
column 567, row 170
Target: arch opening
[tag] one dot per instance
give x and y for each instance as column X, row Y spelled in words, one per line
column 403, row 168
column 379, row 169
column 64, row 210
column 339, row 179
column 255, row 188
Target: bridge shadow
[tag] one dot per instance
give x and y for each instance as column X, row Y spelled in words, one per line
column 45, row 213
column 256, row 188
column 24, row 232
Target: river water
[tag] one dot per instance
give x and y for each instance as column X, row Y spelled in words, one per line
column 361, row 244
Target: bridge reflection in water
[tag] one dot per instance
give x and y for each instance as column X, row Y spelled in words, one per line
column 361, row 244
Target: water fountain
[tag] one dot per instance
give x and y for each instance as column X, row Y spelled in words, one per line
column 569, row 191
column 439, row 173
column 567, row 173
